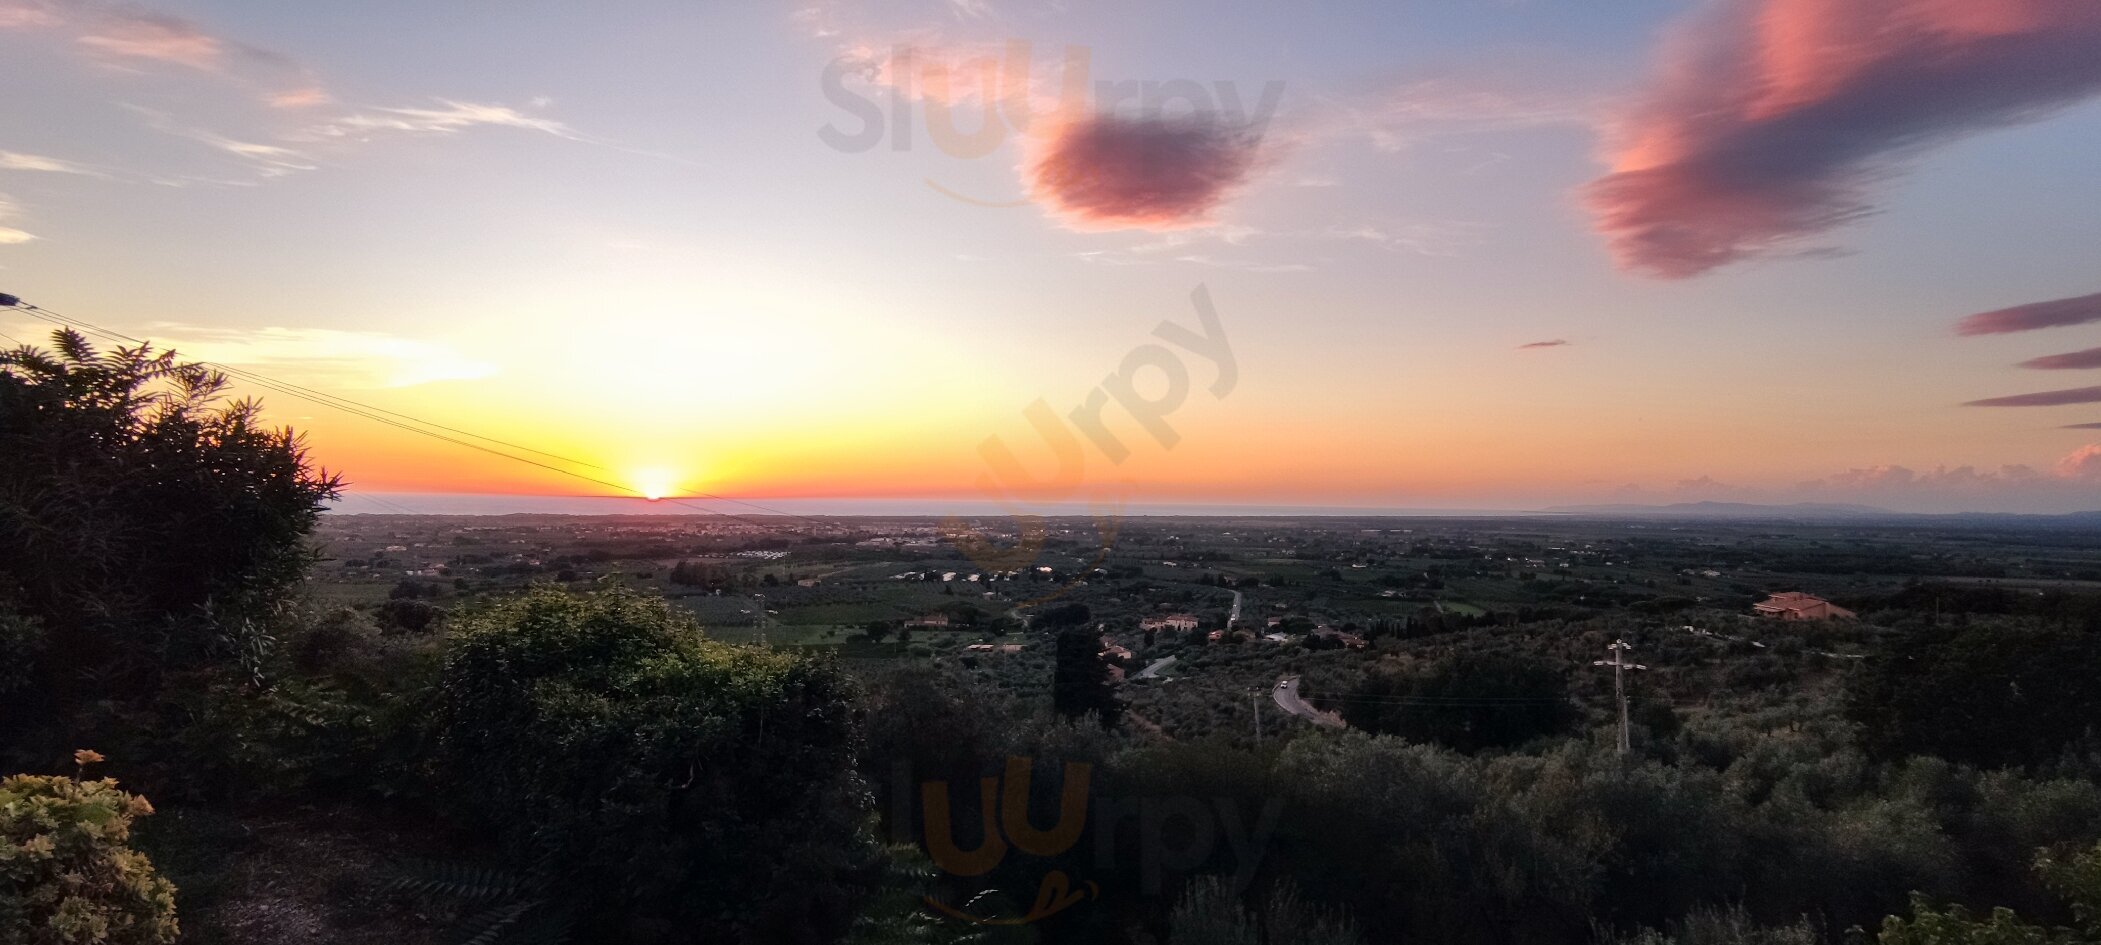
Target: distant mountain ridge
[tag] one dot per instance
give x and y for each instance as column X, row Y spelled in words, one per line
column 1730, row 510
column 1819, row 511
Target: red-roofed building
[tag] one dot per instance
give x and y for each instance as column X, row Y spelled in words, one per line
column 1795, row 605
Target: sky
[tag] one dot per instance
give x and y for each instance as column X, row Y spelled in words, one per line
column 1449, row 254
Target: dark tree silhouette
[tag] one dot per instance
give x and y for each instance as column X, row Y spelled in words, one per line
column 147, row 524
column 1082, row 681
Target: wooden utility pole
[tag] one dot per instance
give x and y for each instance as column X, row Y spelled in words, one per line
column 1254, row 701
column 1619, row 664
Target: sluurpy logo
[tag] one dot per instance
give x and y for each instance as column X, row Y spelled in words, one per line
column 1005, row 822
column 1173, row 834
column 895, row 94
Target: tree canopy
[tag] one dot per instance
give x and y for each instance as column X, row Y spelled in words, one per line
column 147, row 521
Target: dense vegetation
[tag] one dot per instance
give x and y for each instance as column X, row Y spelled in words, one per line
column 664, row 786
column 586, row 763
column 67, row 870
column 147, row 527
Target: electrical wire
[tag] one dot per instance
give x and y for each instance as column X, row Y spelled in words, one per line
column 416, row 425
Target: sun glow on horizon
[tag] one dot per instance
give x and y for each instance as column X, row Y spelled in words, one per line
column 654, row 482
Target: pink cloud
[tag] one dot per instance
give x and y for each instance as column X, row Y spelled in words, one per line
column 2083, row 464
column 2057, row 313
column 20, row 14
column 2048, row 398
column 1107, row 172
column 1774, row 117
column 2070, row 361
column 303, row 97
column 151, row 36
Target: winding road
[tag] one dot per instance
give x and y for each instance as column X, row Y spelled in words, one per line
column 1287, row 697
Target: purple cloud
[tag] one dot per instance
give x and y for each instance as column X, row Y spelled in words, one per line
column 2072, row 361
column 1107, row 172
column 1776, row 117
column 2048, row 398
column 1556, row 343
column 2054, row 314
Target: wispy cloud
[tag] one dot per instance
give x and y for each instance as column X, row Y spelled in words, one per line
column 1435, row 238
column 117, row 36
column 445, row 117
column 25, row 14
column 17, row 161
column 10, row 236
column 2071, row 361
column 2082, row 426
column 266, row 160
column 1774, row 118
column 2058, row 313
column 304, row 97
column 344, row 359
column 449, row 117
column 2048, row 398
column 1400, row 115
column 123, row 37
column 1556, row 343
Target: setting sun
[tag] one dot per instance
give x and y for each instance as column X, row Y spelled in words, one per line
column 654, row 482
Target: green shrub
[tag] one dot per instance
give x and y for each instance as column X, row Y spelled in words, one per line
column 2076, row 878
column 68, row 875
column 334, row 642
column 673, row 786
column 151, row 526
column 1468, row 701
column 21, row 639
column 241, row 742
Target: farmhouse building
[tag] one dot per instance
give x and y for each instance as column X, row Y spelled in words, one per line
column 1795, row 605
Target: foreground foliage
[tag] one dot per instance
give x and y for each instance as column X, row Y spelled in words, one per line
column 147, row 525
column 68, row 874
column 2076, row 878
column 673, row 788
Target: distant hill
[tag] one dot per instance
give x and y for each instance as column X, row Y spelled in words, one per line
column 1798, row 510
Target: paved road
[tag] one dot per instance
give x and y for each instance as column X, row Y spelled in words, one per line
column 1153, row 671
column 1287, row 696
column 1233, row 619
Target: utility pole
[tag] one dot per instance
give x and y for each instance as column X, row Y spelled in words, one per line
column 1254, row 702
column 761, row 599
column 1619, row 664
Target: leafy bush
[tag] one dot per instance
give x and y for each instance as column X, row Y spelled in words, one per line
column 333, row 642
column 145, row 523
column 1468, row 701
column 2077, row 879
column 68, row 874
column 670, row 785
column 1210, row 914
column 409, row 615
column 1985, row 695
column 241, row 742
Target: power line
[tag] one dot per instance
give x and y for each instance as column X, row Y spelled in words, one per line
column 380, row 415
column 344, row 404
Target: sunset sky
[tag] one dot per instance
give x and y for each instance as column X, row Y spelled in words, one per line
column 1465, row 253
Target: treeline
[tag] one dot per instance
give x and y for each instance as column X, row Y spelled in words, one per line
column 592, row 768
column 1553, row 841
